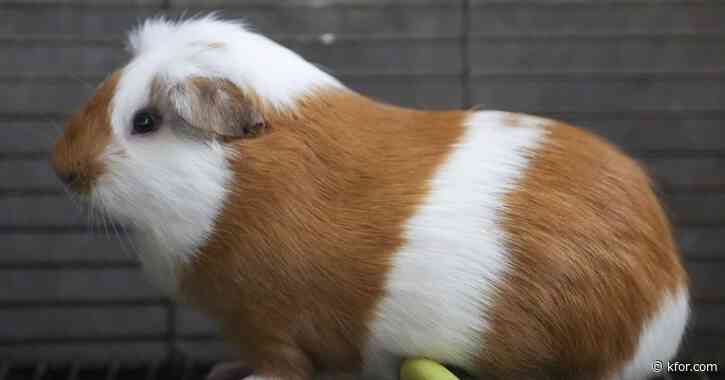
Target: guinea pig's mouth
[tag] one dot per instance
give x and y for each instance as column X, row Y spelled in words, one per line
column 77, row 168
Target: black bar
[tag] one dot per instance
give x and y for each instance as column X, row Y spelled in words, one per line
column 81, row 303
column 188, row 369
column 198, row 337
column 58, row 229
column 4, row 370
column 75, row 368
column 113, row 369
column 153, row 371
column 31, row 192
column 249, row 4
column 70, row 265
column 38, row 117
column 171, row 339
column 78, row 339
column 17, row 156
column 40, row 369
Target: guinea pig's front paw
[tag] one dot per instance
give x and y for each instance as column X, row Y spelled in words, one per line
column 229, row 371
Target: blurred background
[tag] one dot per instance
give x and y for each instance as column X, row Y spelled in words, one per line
column 649, row 75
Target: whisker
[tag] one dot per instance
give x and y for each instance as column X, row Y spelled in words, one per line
column 123, row 238
column 70, row 196
column 104, row 219
column 127, row 246
column 90, row 218
column 57, row 127
column 83, row 82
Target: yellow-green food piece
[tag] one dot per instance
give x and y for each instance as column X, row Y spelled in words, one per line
column 424, row 369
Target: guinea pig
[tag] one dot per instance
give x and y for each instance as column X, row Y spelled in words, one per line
column 328, row 232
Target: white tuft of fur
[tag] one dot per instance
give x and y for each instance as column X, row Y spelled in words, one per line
column 660, row 338
column 213, row 47
column 442, row 279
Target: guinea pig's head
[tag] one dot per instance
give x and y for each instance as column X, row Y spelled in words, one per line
column 153, row 145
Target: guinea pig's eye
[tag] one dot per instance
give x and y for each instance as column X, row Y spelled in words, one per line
column 145, row 121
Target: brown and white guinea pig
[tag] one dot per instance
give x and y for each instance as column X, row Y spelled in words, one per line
column 326, row 231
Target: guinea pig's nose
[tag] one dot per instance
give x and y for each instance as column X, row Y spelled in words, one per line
column 75, row 179
column 68, row 178
column 71, row 172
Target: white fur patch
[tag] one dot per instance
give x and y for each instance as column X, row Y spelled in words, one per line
column 172, row 188
column 443, row 278
column 660, row 337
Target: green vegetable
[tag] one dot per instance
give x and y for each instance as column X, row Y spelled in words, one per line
column 424, row 369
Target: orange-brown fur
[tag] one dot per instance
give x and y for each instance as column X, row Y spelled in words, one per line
column 304, row 242
column 77, row 151
column 592, row 256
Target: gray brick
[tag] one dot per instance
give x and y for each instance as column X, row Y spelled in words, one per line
column 383, row 56
column 707, row 319
column 582, row 2
column 316, row 3
column 81, row 322
column 606, row 94
column 688, row 173
column 206, row 350
column 564, row 55
column 706, row 280
column 20, row 174
column 701, row 242
column 664, row 132
column 66, row 247
column 191, row 322
column 65, row 96
column 705, row 349
column 67, row 59
column 30, row 136
column 41, row 210
column 344, row 55
column 273, row 18
column 584, row 17
column 89, row 353
column 269, row 17
column 82, row 3
column 697, row 208
column 70, row 19
column 420, row 92
column 71, row 284
column 34, row 97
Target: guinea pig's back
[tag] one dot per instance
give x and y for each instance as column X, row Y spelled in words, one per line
column 540, row 249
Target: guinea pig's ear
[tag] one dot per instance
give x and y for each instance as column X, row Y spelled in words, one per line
column 216, row 106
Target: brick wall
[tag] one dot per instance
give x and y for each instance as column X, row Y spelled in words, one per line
column 647, row 74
